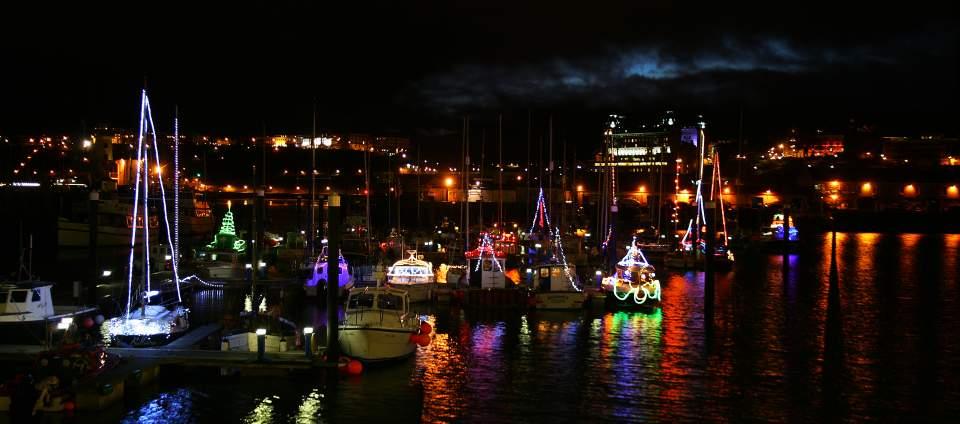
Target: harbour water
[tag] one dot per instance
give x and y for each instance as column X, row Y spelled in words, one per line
column 779, row 347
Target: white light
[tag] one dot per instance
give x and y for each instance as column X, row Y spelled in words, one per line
column 107, row 273
column 261, row 331
column 324, row 241
column 307, row 330
column 248, row 266
column 167, row 257
column 261, row 264
column 529, row 271
column 538, row 245
column 151, row 293
column 599, row 273
column 87, row 144
column 64, row 323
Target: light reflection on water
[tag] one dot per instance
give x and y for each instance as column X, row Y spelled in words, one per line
column 778, row 350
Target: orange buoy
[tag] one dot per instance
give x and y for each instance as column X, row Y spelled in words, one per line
column 423, row 340
column 425, row 327
column 354, row 367
column 69, row 406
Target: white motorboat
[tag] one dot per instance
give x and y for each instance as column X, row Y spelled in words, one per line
column 379, row 325
column 413, row 275
column 27, row 309
column 31, row 301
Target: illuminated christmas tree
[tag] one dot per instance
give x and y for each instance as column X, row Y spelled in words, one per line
column 226, row 238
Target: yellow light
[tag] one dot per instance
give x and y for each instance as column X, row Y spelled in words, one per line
column 579, row 187
column 952, row 192
column 158, row 169
column 726, row 190
column 909, row 190
column 834, row 197
column 834, row 184
column 768, row 192
column 448, row 182
column 643, row 189
column 866, row 189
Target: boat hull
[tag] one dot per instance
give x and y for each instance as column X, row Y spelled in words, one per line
column 419, row 292
column 558, row 300
column 77, row 235
column 376, row 344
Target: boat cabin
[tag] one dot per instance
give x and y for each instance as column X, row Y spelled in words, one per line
column 411, row 271
column 554, row 277
column 372, row 305
column 25, row 301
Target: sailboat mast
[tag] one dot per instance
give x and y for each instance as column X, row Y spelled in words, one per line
column 500, row 172
column 466, row 190
column 313, row 184
column 176, row 185
column 550, row 166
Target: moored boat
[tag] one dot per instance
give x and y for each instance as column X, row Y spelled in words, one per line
column 633, row 283
column 413, row 275
column 378, row 325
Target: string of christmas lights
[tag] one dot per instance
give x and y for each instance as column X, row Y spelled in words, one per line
column 540, row 213
column 485, row 244
column 563, row 261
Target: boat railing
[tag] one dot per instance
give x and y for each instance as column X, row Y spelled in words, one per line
column 359, row 316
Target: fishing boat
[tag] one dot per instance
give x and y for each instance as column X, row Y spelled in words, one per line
column 634, row 283
column 413, row 275
column 148, row 318
column 319, row 277
column 555, row 287
column 378, row 325
column 27, row 309
column 486, row 265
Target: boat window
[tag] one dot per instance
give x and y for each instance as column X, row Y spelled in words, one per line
column 487, row 265
column 36, row 296
column 555, row 272
column 18, row 296
column 390, row 301
column 3, row 295
column 363, row 300
column 544, row 272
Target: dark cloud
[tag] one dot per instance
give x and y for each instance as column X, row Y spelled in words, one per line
column 653, row 72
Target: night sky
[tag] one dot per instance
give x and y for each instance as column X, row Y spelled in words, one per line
column 414, row 68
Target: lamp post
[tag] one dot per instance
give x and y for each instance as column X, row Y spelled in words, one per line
column 261, row 343
column 308, row 341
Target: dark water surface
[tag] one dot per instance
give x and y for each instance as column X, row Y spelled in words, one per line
column 882, row 345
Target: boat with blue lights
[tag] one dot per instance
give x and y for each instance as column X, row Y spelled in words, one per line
column 319, row 277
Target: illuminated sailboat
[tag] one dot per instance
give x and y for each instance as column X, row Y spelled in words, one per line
column 634, row 283
column 554, row 280
column 146, row 319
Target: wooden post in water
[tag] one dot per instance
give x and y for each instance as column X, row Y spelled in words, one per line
column 786, row 238
column 94, row 221
column 708, row 274
column 333, row 276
